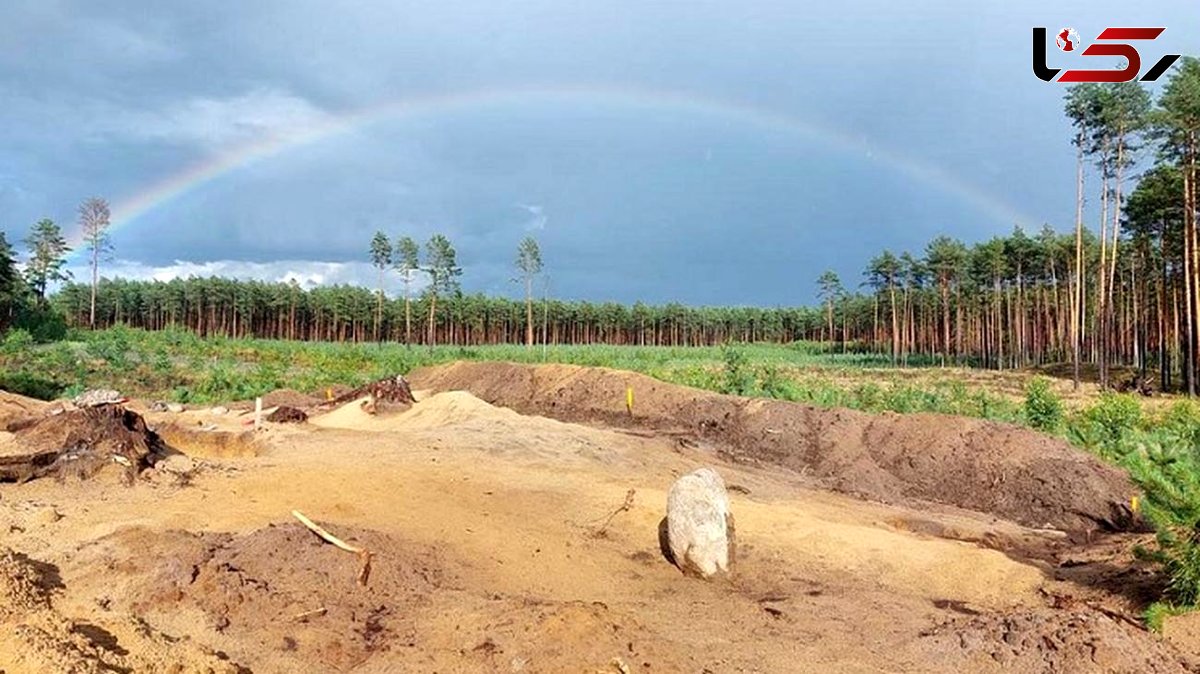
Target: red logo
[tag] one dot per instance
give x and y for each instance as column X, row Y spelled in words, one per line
column 1068, row 41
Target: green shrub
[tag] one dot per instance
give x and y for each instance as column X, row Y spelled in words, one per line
column 909, row 400
column 869, row 397
column 42, row 323
column 1043, row 408
column 26, row 384
column 112, row 346
column 738, row 377
column 16, row 341
column 1182, row 421
column 1156, row 613
column 773, row 384
column 1170, row 481
column 1113, row 416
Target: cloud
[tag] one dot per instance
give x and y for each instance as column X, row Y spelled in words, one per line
column 217, row 122
column 538, row 222
column 307, row 273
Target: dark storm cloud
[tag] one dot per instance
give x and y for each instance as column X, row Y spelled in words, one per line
column 628, row 202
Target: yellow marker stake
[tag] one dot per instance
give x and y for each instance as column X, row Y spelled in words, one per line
column 1133, row 503
column 629, row 400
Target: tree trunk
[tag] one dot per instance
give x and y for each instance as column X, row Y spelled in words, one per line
column 529, row 312
column 432, row 313
column 95, row 282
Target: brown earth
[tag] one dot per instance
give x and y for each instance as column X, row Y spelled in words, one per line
column 497, row 550
column 1045, row 640
column 287, row 415
column 985, row 466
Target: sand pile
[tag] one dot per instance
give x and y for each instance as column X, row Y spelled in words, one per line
column 454, row 417
column 984, row 466
column 452, row 408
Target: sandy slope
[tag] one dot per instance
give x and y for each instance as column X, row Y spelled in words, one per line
column 491, row 560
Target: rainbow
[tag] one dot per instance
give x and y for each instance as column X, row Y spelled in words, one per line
column 127, row 211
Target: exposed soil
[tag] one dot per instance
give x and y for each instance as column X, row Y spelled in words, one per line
column 36, row 637
column 24, row 585
column 504, row 543
column 985, row 466
column 277, row 588
column 287, row 415
column 1046, row 640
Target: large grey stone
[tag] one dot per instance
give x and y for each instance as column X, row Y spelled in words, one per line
column 700, row 529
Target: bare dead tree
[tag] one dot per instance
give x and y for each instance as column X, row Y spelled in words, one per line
column 94, row 221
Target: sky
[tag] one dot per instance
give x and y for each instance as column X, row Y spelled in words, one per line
column 709, row 153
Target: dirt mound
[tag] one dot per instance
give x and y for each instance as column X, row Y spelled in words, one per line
column 35, row 637
column 287, row 415
column 351, row 416
column 24, row 585
column 452, row 408
column 79, row 442
column 286, row 397
column 1045, row 640
column 52, row 643
column 985, row 466
column 438, row 411
column 281, row 589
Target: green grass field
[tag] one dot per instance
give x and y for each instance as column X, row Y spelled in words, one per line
column 178, row 365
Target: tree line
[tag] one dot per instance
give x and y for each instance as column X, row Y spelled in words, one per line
column 1126, row 293
column 238, row 308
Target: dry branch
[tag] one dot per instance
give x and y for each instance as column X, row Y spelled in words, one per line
column 302, row 617
column 364, row 556
column 626, row 506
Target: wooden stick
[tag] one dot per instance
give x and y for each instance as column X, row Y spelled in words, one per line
column 329, row 538
column 364, row 556
column 364, row 572
column 624, row 507
column 310, row 614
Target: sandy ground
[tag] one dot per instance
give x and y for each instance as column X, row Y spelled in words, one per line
column 491, row 557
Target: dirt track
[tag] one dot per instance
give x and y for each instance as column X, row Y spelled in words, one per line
column 490, row 559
